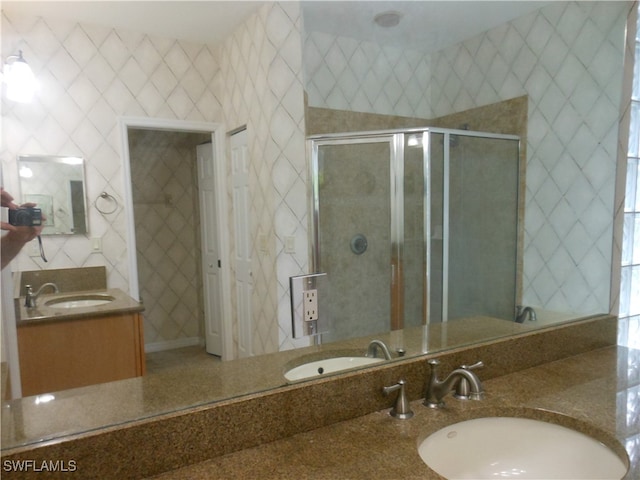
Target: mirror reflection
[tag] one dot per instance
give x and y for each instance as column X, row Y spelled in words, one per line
column 56, row 185
column 565, row 59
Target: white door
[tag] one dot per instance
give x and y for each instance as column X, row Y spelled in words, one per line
column 209, row 245
column 244, row 280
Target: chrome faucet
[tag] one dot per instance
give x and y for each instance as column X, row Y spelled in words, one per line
column 372, row 351
column 31, row 298
column 522, row 313
column 463, row 389
column 438, row 389
column 401, row 409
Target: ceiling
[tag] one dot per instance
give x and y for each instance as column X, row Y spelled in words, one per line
column 425, row 25
column 196, row 21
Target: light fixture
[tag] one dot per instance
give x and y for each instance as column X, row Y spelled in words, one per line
column 25, row 172
column 20, row 81
column 414, row 141
column 387, row 19
column 46, row 398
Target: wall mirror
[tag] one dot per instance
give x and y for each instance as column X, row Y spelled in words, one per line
column 561, row 32
column 56, row 185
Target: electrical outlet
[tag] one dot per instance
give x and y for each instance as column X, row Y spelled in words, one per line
column 96, row 244
column 310, row 305
column 290, row 244
column 304, row 291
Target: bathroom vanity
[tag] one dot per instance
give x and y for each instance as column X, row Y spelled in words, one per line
column 342, row 427
column 580, row 393
column 67, row 341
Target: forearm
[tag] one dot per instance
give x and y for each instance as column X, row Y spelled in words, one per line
column 12, row 243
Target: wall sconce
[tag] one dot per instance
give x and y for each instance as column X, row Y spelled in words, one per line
column 20, row 81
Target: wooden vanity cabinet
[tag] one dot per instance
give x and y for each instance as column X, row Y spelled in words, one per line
column 58, row 355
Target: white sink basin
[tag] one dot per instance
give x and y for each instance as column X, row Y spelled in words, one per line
column 507, row 447
column 80, row 301
column 328, row 365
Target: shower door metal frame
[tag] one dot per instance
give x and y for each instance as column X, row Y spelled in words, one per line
column 396, row 138
column 447, row 134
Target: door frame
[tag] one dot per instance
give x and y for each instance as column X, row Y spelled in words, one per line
column 217, row 132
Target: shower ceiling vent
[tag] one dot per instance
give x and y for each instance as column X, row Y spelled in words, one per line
column 388, row 19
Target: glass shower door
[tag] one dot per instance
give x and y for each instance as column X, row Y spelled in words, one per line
column 482, row 268
column 353, row 208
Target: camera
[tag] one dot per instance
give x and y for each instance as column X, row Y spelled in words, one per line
column 25, row 217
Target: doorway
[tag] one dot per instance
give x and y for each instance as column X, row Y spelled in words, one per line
column 168, row 270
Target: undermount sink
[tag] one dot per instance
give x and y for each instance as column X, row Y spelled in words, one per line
column 327, row 365
column 523, row 448
column 80, row 301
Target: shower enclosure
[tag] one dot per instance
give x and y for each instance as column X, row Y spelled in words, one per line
column 414, row 226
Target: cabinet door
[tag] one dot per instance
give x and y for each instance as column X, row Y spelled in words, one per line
column 75, row 353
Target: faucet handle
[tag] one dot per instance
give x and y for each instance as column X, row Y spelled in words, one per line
column 402, row 409
column 479, row 364
column 28, row 297
column 463, row 388
column 434, row 363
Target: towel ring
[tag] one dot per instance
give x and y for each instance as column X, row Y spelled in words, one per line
column 108, row 198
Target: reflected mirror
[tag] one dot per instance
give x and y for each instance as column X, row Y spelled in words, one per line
column 56, row 185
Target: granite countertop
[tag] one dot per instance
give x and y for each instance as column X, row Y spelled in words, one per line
column 122, row 303
column 87, row 408
column 596, row 392
column 27, row 421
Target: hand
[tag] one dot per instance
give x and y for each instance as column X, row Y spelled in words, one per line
column 33, row 232
column 21, row 235
column 17, row 237
column 13, row 241
column 7, row 200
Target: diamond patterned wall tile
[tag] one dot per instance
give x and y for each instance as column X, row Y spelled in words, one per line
column 344, row 73
column 89, row 76
column 567, row 58
column 262, row 60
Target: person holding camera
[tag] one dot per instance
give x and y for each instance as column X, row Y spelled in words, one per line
column 17, row 236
